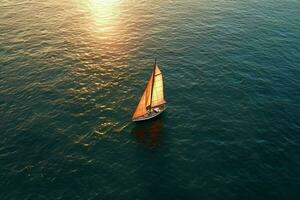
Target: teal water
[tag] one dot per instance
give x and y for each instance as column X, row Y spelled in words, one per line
column 72, row 72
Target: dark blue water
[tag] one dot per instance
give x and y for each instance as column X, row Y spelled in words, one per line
column 72, row 72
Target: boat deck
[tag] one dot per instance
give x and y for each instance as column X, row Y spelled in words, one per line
column 152, row 114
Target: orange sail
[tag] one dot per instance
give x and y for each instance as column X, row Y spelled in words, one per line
column 145, row 100
column 153, row 94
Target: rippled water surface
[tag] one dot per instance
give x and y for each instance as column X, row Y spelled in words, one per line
column 72, row 72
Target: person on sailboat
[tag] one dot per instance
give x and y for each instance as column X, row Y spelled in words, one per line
column 148, row 109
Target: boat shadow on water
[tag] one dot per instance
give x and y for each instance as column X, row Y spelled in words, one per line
column 149, row 132
column 156, row 179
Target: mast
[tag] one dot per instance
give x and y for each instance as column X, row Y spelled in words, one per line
column 152, row 83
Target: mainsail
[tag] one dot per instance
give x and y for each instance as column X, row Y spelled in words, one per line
column 153, row 94
column 158, row 88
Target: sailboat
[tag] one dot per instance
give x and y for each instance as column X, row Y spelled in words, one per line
column 152, row 102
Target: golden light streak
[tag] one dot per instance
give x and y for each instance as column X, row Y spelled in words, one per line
column 105, row 14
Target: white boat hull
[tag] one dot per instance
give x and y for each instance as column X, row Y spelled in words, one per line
column 151, row 115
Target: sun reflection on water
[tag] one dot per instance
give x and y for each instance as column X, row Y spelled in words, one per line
column 105, row 15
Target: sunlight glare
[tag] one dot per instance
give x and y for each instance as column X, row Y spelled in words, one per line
column 97, row 3
column 105, row 14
